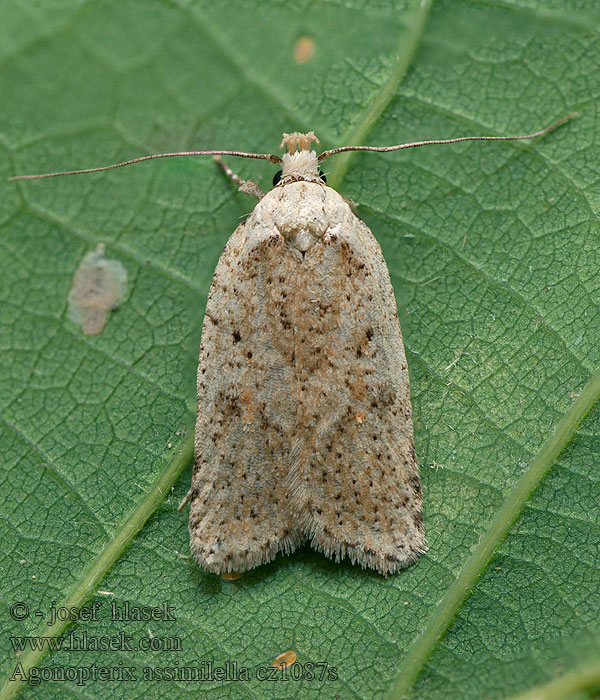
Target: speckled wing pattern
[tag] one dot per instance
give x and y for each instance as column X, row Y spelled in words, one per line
column 304, row 427
column 239, row 512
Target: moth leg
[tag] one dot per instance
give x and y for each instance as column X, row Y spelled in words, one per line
column 246, row 186
column 185, row 500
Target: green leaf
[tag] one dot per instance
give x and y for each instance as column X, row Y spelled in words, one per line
column 493, row 250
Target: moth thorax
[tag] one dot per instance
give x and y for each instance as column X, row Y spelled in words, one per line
column 299, row 162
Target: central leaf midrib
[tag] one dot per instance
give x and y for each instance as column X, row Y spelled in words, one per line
column 407, row 50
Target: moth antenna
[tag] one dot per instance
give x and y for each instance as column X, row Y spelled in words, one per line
column 263, row 156
column 414, row 144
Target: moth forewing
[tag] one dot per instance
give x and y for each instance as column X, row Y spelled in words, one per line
column 356, row 492
column 239, row 516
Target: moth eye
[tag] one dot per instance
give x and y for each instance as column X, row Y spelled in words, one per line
column 322, row 176
column 277, row 177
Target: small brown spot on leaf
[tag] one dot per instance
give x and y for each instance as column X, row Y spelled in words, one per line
column 284, row 660
column 304, row 49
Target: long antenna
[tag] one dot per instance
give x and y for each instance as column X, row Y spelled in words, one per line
column 277, row 159
column 262, row 156
column 414, row 144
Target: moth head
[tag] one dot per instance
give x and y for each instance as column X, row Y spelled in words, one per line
column 299, row 162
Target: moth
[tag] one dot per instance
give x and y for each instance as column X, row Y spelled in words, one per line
column 304, row 428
